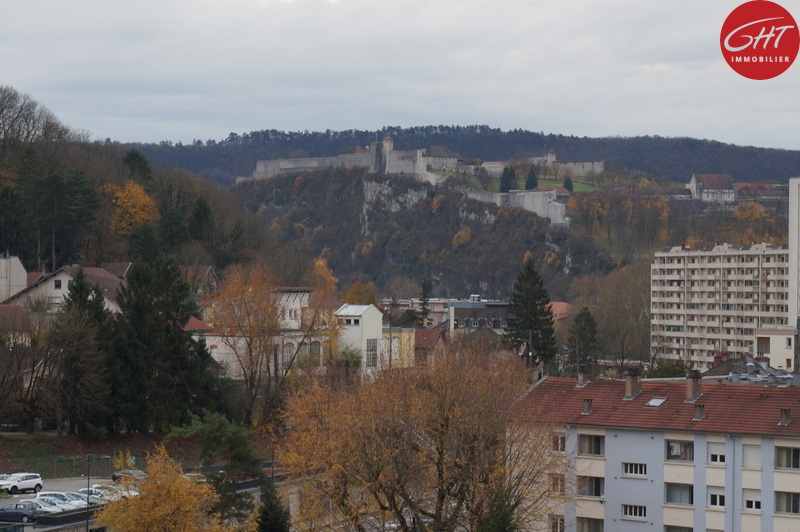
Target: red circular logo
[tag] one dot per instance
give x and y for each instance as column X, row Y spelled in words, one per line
column 759, row 40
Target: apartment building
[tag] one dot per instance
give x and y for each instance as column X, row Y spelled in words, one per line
column 671, row 455
column 714, row 301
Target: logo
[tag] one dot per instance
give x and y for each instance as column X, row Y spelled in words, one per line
column 759, row 40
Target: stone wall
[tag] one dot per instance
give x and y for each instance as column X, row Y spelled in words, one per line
column 540, row 202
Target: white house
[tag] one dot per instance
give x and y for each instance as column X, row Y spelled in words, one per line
column 50, row 291
column 361, row 328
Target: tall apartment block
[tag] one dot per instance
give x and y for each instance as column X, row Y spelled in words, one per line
column 722, row 301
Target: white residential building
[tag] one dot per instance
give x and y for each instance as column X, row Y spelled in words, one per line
column 361, row 328
column 13, row 277
column 711, row 302
column 671, row 456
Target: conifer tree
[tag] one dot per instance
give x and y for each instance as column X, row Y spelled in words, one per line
column 582, row 340
column 424, row 304
column 568, row 183
column 530, row 328
column 508, row 179
column 532, row 181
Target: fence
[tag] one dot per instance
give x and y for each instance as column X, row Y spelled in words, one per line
column 50, row 467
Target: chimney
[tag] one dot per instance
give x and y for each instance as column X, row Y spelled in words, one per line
column 587, row 406
column 583, row 376
column 786, row 417
column 693, row 386
column 699, row 412
column 633, row 384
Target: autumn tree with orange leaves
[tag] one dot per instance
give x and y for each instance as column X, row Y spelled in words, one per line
column 422, row 449
column 134, row 207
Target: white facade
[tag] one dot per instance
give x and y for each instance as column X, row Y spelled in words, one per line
column 361, row 328
column 779, row 345
column 13, row 277
column 705, row 303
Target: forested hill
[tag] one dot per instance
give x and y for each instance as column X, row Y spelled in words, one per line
column 395, row 231
column 672, row 158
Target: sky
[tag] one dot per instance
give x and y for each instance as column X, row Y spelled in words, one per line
column 181, row 70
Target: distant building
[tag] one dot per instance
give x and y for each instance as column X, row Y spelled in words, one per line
column 13, row 277
column 713, row 188
column 705, row 303
column 48, row 292
column 670, row 456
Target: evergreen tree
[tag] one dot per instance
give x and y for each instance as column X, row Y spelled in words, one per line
column 532, row 181
column 161, row 373
column 508, row 179
column 582, row 341
column 530, row 327
column 273, row 516
column 499, row 517
column 424, row 306
column 568, row 184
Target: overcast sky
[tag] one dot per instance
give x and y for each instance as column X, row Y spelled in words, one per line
column 179, row 70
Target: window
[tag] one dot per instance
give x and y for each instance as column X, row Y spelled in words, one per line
column 681, row 451
column 716, row 453
column 557, row 523
column 590, row 525
column 751, row 456
column 558, row 483
column 752, row 499
column 631, row 469
column 633, row 511
column 789, row 342
column 679, row 494
column 591, row 486
column 57, row 284
column 678, row 529
column 591, row 445
column 787, row 502
column 787, row 457
column 559, row 442
column 372, row 352
column 716, row 497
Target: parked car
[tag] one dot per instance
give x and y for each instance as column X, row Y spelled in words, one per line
column 63, row 505
column 75, row 496
column 43, row 506
column 80, row 503
column 22, row 482
column 127, row 475
column 19, row 511
column 96, row 495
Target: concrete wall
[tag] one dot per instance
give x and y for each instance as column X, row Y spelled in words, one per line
column 583, row 168
column 274, row 167
column 541, row 202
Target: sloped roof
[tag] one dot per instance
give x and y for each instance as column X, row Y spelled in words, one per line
column 196, row 325
column 353, row 310
column 108, row 282
column 33, row 277
column 427, row 338
column 752, row 410
column 561, row 309
column 120, row 269
column 714, row 181
column 442, row 151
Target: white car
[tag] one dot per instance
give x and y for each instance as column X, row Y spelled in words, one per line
column 64, row 506
column 57, row 495
column 22, row 482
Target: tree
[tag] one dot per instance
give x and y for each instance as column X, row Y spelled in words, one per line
column 410, row 449
column 532, row 180
column 362, row 293
column 246, row 315
column 138, row 166
column 160, row 374
column 582, row 341
column 507, row 179
column 229, row 444
column 668, row 368
column 499, row 517
column 273, row 516
column 185, row 506
column 568, row 184
column 134, row 206
column 424, row 300
column 530, row 328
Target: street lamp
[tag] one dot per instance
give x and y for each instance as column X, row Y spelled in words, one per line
column 89, row 463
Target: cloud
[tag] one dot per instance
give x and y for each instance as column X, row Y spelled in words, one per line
column 181, row 70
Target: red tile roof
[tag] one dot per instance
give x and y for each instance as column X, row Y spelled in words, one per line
column 34, row 276
column 196, row 325
column 560, row 309
column 108, row 282
column 715, row 181
column 427, row 338
column 752, row 410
